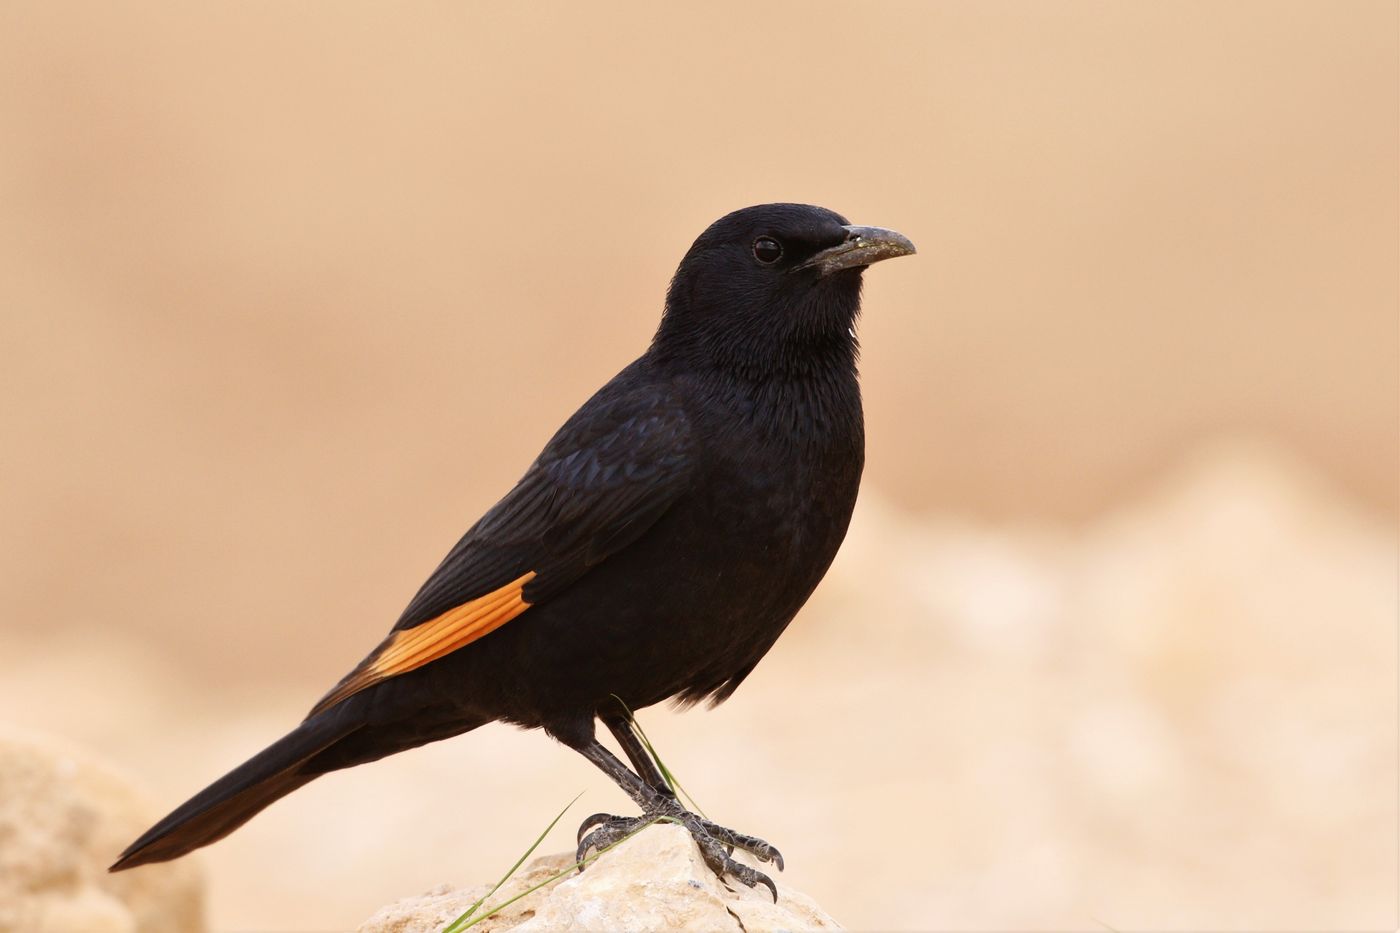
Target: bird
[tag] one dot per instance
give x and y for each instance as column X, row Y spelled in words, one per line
column 655, row 550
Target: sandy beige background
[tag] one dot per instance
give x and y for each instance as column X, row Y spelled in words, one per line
column 288, row 295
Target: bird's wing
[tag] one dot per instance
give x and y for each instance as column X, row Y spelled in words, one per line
column 609, row 473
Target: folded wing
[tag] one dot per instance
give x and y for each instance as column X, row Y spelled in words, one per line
column 609, row 473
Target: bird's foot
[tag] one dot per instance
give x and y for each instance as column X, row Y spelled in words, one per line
column 717, row 844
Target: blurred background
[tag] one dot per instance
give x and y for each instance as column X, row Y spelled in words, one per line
column 290, row 294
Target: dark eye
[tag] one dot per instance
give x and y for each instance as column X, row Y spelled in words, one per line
column 767, row 250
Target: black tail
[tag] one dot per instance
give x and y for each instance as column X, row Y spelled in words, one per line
column 238, row 796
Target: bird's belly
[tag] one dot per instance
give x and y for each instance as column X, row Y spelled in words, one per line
column 692, row 605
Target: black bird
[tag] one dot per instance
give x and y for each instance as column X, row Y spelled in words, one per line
column 655, row 549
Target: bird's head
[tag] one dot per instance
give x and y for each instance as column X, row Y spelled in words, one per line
column 772, row 288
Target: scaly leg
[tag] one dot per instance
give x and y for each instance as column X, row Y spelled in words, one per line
column 646, row 769
column 711, row 838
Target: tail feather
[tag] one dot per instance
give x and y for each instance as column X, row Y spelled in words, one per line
column 238, row 796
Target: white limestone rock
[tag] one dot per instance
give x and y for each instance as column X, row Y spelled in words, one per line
column 654, row 881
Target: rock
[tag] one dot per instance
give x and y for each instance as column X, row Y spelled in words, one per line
column 654, row 881
column 63, row 818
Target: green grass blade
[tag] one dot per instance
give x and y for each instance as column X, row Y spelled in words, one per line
column 550, row 880
column 454, row 926
column 467, row 920
column 666, row 774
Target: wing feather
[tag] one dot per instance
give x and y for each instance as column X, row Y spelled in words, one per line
column 605, row 478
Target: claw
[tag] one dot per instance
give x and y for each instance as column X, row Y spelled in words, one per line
column 596, row 819
column 597, row 840
column 579, row 853
column 772, row 888
column 751, row 877
column 610, row 830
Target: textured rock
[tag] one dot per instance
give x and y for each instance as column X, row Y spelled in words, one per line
column 654, row 881
column 63, row 818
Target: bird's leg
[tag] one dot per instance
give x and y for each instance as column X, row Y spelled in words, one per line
column 646, row 768
column 621, row 728
column 716, row 842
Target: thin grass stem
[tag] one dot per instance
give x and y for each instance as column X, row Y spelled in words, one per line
column 666, row 774
column 454, row 927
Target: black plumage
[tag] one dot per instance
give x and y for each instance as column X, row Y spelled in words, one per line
column 655, row 549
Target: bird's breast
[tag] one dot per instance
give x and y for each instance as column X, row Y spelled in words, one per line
column 782, row 472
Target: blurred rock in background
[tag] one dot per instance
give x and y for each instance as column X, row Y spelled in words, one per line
column 62, row 815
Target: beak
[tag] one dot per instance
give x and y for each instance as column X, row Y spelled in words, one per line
column 862, row 246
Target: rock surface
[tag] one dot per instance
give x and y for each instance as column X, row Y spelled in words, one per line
column 654, row 881
column 63, row 818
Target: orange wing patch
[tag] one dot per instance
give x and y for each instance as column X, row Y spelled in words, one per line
column 411, row 648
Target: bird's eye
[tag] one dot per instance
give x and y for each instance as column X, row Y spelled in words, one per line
column 767, row 250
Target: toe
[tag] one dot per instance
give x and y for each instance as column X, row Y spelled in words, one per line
column 763, row 851
column 598, row 840
column 596, row 819
column 751, row 877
